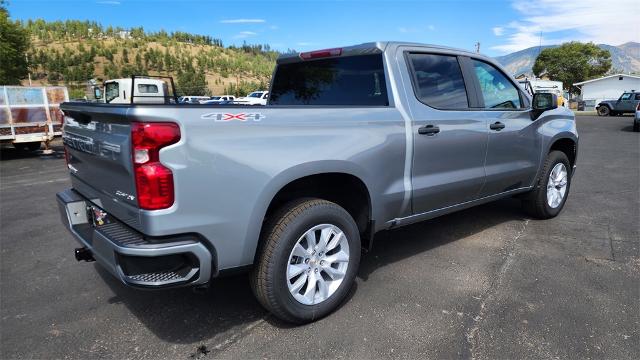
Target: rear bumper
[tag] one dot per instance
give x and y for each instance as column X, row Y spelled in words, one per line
column 135, row 259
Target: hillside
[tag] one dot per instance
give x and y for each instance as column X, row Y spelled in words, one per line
column 625, row 58
column 73, row 52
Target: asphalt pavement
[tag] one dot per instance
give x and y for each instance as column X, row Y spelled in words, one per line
column 485, row 283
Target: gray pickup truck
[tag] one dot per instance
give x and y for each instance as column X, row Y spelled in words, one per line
column 625, row 104
column 354, row 140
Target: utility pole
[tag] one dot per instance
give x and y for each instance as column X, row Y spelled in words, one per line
column 478, row 47
column 28, row 71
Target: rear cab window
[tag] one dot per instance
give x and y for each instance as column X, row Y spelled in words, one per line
column 148, row 88
column 341, row 81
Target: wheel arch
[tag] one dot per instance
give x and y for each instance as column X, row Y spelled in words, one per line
column 337, row 181
column 568, row 146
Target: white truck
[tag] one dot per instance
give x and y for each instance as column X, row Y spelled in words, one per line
column 546, row 86
column 221, row 99
column 192, row 99
column 254, row 98
column 145, row 91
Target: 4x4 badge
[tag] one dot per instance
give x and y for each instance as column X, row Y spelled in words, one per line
column 231, row 117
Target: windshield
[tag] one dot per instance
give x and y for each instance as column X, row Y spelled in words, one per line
column 255, row 94
column 215, row 98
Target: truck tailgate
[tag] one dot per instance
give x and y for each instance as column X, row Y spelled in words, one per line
column 97, row 140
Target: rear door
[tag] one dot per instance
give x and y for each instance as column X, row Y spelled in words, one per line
column 513, row 151
column 449, row 136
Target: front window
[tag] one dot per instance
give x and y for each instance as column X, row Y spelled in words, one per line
column 255, row 95
column 498, row 92
column 343, row 81
column 112, row 90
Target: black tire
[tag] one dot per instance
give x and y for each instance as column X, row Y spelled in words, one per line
column 535, row 202
column 280, row 233
column 604, row 111
column 636, row 126
column 28, row 146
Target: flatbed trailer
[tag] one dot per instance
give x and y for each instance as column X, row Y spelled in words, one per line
column 30, row 116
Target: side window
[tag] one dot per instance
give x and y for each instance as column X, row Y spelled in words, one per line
column 626, row 96
column 637, row 96
column 498, row 92
column 437, row 81
column 147, row 88
column 111, row 92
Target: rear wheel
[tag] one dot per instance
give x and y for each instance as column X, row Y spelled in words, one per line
column 308, row 261
column 636, row 126
column 604, row 111
column 549, row 195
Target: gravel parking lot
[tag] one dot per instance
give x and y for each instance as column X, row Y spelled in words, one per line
column 484, row 283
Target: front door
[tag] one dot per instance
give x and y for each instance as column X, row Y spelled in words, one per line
column 449, row 139
column 513, row 152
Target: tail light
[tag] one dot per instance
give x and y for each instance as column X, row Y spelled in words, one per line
column 321, row 54
column 638, row 107
column 154, row 181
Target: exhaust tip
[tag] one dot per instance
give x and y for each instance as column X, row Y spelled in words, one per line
column 84, row 254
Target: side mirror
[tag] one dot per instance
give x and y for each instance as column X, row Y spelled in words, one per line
column 97, row 93
column 543, row 102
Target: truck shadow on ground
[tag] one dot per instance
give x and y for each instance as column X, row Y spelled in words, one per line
column 211, row 316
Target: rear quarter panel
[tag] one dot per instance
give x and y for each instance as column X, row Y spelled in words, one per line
column 227, row 172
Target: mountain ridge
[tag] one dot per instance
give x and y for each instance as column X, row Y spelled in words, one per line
column 625, row 58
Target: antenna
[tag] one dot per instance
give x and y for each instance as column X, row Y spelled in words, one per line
column 478, row 47
column 540, row 44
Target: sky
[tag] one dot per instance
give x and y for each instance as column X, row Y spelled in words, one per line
column 501, row 26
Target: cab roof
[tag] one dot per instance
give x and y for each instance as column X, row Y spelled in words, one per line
column 375, row 47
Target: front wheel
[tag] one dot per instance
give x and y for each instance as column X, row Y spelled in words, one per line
column 550, row 193
column 604, row 111
column 308, row 260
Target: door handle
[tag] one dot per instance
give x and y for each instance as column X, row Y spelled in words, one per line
column 497, row 126
column 428, row 130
